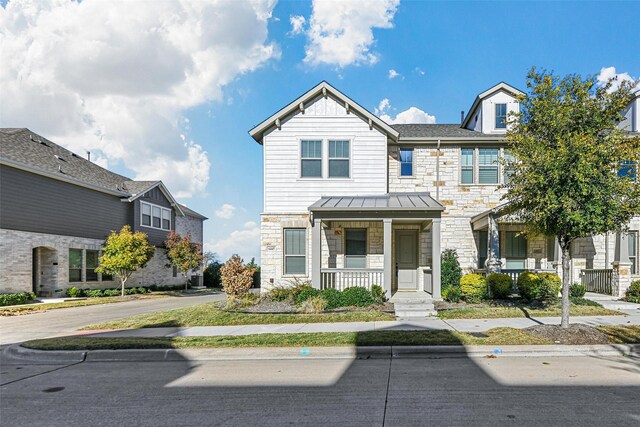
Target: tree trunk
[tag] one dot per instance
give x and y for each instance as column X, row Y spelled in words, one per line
column 566, row 279
column 122, row 282
column 186, row 281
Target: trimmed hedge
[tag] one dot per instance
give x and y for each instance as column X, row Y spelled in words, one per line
column 15, row 299
column 356, row 296
column 74, row 292
column 540, row 286
column 452, row 294
column 500, row 285
column 332, row 297
column 473, row 287
column 577, row 290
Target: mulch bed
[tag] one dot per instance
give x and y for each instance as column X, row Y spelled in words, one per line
column 575, row 334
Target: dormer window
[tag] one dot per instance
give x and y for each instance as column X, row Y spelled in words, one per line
column 154, row 216
column 501, row 116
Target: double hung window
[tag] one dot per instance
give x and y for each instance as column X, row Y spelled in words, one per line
column 501, row 116
column 75, row 265
column 295, row 243
column 339, row 159
column 488, row 166
column 467, row 167
column 311, row 159
column 406, row 162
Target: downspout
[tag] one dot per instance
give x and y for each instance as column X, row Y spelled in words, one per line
column 438, row 171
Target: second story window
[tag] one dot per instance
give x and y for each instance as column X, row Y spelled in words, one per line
column 155, row 216
column 467, row 166
column 311, row 159
column 338, row 159
column 488, row 166
column 501, row 116
column 406, row 162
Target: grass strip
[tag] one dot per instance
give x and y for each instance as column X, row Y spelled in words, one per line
column 497, row 336
column 34, row 308
column 209, row 315
column 622, row 334
column 512, row 312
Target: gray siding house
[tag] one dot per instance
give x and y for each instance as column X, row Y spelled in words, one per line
column 57, row 208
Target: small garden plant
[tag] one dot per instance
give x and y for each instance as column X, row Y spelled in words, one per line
column 16, row 299
column 309, row 299
column 236, row 277
column 633, row 292
column 500, row 285
column 473, row 287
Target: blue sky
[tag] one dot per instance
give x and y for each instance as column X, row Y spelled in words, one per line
column 181, row 110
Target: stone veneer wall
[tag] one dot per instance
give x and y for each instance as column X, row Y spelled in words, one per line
column 16, row 263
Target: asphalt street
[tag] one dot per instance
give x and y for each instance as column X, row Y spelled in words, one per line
column 16, row 329
column 451, row 391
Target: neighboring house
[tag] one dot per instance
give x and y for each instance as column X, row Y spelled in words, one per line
column 350, row 200
column 57, row 208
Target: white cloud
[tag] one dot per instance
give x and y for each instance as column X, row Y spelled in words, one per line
column 297, row 24
column 411, row 115
column 419, row 71
column 608, row 73
column 245, row 243
column 116, row 77
column 250, row 224
column 393, row 74
column 226, row 211
column 341, row 32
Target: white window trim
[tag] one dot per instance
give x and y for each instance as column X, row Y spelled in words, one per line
column 324, row 175
column 162, row 208
column 476, row 167
column 306, row 253
column 344, row 245
column 413, row 163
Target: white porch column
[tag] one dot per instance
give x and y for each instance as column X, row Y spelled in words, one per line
column 387, row 250
column 493, row 246
column 435, row 258
column 316, row 253
column 621, row 266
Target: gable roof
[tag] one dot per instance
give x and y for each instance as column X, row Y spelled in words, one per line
column 24, row 149
column 500, row 86
column 323, row 88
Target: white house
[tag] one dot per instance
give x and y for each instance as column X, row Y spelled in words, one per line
column 350, row 200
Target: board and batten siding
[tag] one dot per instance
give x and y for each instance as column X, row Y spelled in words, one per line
column 325, row 119
column 31, row 202
column 156, row 197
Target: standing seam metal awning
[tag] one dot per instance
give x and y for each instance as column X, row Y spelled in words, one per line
column 384, row 203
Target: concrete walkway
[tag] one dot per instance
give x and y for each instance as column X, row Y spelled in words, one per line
column 432, row 323
column 612, row 303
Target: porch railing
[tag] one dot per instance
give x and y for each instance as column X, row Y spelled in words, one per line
column 341, row 278
column 597, row 280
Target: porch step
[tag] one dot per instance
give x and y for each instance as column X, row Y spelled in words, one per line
column 413, row 310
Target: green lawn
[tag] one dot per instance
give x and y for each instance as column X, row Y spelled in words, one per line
column 554, row 310
column 497, row 336
column 210, row 315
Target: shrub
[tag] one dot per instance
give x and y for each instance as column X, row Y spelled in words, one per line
column 378, row 294
column 633, row 292
column 15, row 299
column 280, row 293
column 94, row 293
column 450, row 271
column 577, row 290
column 298, row 287
column 153, row 288
column 473, row 287
column 539, row 286
column 583, row 301
column 74, row 292
column 452, row 294
column 111, row 292
column 332, row 297
column 130, row 291
column 306, row 293
column 247, row 300
column 500, row 285
column 313, row 305
column 356, row 296
column 236, row 277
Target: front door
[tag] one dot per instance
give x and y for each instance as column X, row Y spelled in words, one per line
column 407, row 260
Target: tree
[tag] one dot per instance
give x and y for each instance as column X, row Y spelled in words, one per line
column 256, row 272
column 567, row 150
column 123, row 253
column 236, row 277
column 450, row 271
column 183, row 254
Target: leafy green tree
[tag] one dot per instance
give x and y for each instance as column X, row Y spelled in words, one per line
column 256, row 272
column 450, row 271
column 211, row 275
column 183, row 254
column 123, row 253
column 564, row 181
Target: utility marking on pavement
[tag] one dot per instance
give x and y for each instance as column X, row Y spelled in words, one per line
column 386, row 397
column 42, row 373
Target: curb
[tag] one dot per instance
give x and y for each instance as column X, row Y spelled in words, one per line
column 296, row 353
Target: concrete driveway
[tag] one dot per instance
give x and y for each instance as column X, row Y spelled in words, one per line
column 15, row 329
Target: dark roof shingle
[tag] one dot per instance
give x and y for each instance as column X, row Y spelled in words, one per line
column 438, row 131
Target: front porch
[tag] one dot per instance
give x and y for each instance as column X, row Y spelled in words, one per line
column 391, row 240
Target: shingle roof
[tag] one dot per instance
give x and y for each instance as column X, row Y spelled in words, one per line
column 439, row 131
column 191, row 212
column 383, row 202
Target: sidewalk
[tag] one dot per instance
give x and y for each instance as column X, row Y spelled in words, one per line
column 432, row 323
